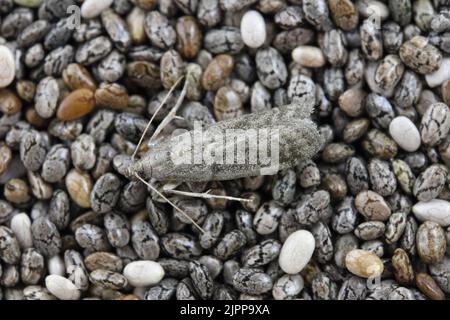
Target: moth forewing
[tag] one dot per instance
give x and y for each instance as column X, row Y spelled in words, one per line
column 249, row 152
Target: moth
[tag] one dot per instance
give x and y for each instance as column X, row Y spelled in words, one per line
column 289, row 131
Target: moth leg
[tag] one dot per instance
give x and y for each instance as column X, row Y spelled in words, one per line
column 206, row 195
column 153, row 117
column 169, row 202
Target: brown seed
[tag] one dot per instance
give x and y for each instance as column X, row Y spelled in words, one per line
column 112, row 95
column 26, row 90
column 403, row 269
column 379, row 145
column 145, row 4
column 429, row 287
column 372, row 206
column 34, row 118
column 227, row 104
column 76, row 105
column 337, row 152
column 79, row 185
column 5, row 157
column 335, row 185
column 363, row 263
column 351, row 101
column 103, row 260
column 127, row 297
column 17, row 191
column 144, row 74
column 445, row 91
column 431, row 242
column 189, row 40
column 9, row 102
column 76, row 77
column 355, row 130
column 344, row 14
column 217, row 72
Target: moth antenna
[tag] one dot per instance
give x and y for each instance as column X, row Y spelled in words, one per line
column 206, row 195
column 170, row 202
column 163, row 102
column 172, row 113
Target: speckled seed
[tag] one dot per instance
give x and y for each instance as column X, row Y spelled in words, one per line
column 62, row 288
column 431, row 243
column 79, row 185
column 435, row 124
column 105, row 193
column 302, row 90
column 420, row 55
column 117, row 229
column 429, row 287
column 430, row 182
column 344, row 244
column 344, row 220
column 379, row 145
column 261, row 254
column 370, row 230
column 382, row 179
column 108, row 279
column 165, row 290
column 357, row 176
column 39, row 188
column 267, row 217
column 404, row 175
column 379, row 110
column 253, row 29
column 180, row 246
column 201, row 279
column 230, row 244
column 296, row 251
column 7, row 65
column 364, row 264
column 143, row 273
column 33, row 150
column 252, row 281
column 389, row 72
column 144, row 240
column 313, row 207
column 405, row 133
column 46, row 237
column 403, row 270
column 93, row 50
column 308, row 174
column 76, row 105
column 287, row 287
column 159, row 30
column 82, row 152
column 371, row 40
column 223, row 40
column 9, row 246
column 217, row 72
column 271, row 68
column 395, row 227
column 46, row 98
column 91, row 237
column 283, row 190
column 32, row 266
